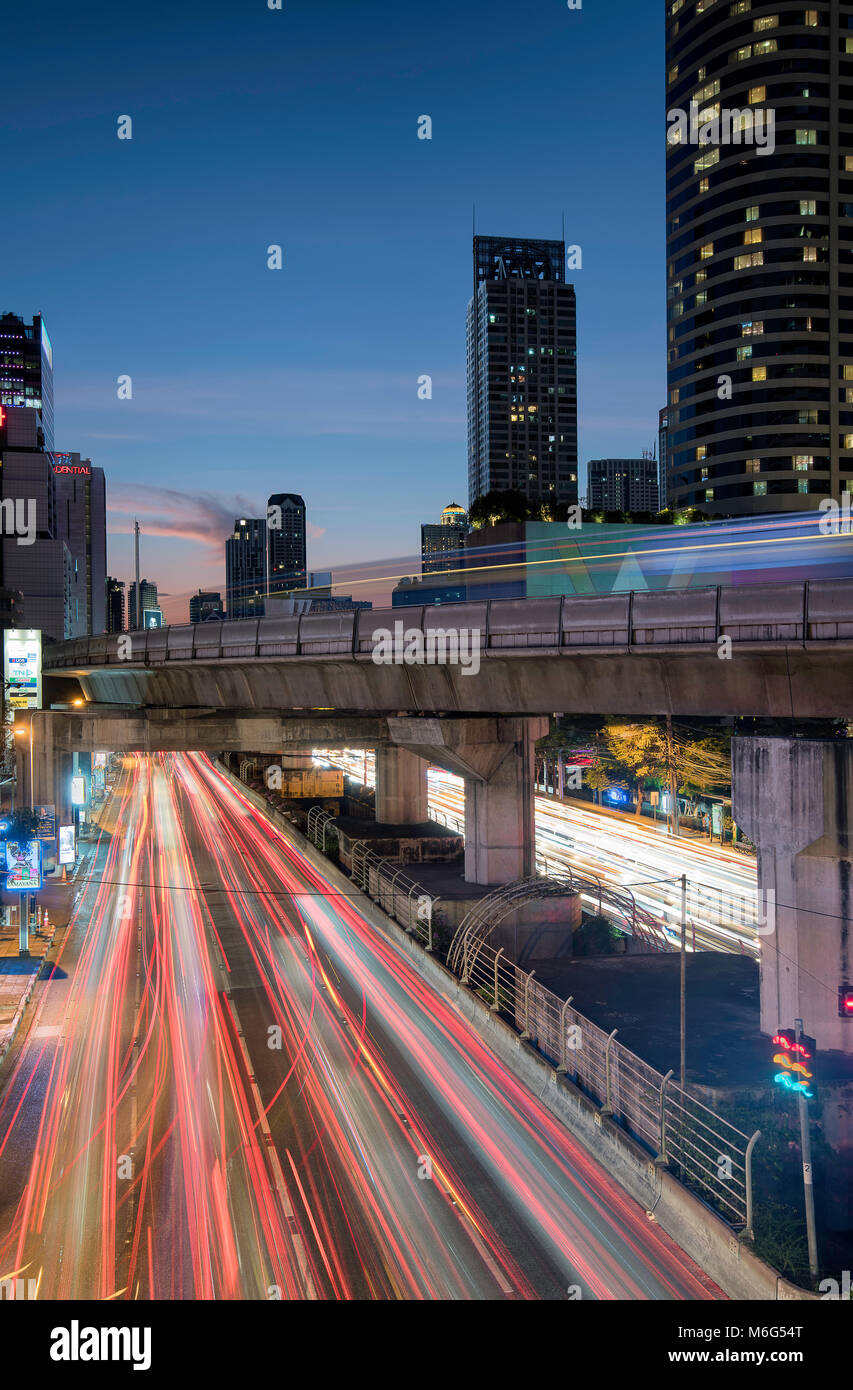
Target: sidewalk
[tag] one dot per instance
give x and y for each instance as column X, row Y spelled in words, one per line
column 18, row 976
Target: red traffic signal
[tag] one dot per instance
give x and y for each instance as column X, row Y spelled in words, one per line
column 845, row 1001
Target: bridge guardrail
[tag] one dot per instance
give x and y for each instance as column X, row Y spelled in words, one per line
column 813, row 611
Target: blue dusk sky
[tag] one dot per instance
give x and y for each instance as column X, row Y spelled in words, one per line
column 253, row 126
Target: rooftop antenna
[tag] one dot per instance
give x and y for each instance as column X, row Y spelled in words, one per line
column 563, row 227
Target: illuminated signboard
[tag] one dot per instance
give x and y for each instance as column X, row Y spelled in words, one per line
column 794, row 1062
column 152, row 617
column 23, row 866
column 67, row 852
column 46, row 828
column 78, row 791
column 22, row 668
column 62, row 464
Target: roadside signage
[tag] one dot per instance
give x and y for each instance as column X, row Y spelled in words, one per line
column 46, row 828
column 22, row 668
column 67, row 852
column 23, row 866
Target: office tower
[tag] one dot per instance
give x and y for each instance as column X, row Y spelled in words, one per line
column 55, row 553
column 441, row 544
column 81, row 521
column 286, row 532
column 148, row 601
column 245, row 568
column 663, row 456
column 623, row 485
column 115, row 604
column 205, row 604
column 759, row 104
column 522, row 372
column 26, row 370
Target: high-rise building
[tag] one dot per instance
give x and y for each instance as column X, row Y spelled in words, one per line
column 56, row 554
column 245, row 568
column 623, row 485
column 286, row 536
column 81, row 520
column 441, row 544
column 115, row 604
column 522, row 371
column 205, row 604
column 26, row 369
column 759, row 160
column 148, row 600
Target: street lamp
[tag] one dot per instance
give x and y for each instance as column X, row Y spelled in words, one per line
column 24, row 907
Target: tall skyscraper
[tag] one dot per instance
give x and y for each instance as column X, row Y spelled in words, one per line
column 205, row 604
column 245, row 568
column 663, row 457
column 26, row 369
column 115, row 605
column 759, row 159
column 60, row 565
column 441, row 544
column 522, row 371
column 286, row 538
column 81, row 518
column 148, row 600
column 623, row 485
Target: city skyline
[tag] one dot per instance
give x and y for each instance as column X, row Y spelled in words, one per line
column 365, row 207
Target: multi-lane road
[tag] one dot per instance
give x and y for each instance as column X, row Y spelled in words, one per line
column 624, row 852
column 234, row 1086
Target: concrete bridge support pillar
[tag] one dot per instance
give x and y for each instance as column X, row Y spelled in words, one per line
column 499, row 832
column 401, row 787
column 794, row 799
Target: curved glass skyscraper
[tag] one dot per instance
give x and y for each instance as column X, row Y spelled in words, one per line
column 759, row 142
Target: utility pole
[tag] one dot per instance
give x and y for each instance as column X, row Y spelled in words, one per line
column 683, row 980
column 808, row 1180
column 138, row 614
column 673, row 788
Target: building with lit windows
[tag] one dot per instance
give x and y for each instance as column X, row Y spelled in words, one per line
column 623, row 485
column 26, row 370
column 441, row 544
column 522, row 371
column 148, row 601
column 759, row 254
column 245, row 568
column 115, row 604
column 286, row 527
column 207, row 603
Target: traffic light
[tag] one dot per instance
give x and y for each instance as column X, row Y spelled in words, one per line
column 845, row 1001
column 793, row 1063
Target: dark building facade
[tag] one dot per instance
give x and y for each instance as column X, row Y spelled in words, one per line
column 147, row 599
column 115, row 614
column 245, row 568
column 759, row 154
column 26, row 370
column 81, row 515
column 286, row 539
column 441, row 544
column 624, row 485
column 522, row 371
column 205, row 604
column 663, row 457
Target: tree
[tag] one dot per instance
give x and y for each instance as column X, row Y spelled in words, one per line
column 497, row 506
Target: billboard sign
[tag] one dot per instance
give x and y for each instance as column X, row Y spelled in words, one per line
column 67, row 852
column 78, row 790
column 23, row 866
column 22, row 668
column 152, row 617
column 46, row 828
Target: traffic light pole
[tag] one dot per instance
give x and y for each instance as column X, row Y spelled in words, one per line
column 808, row 1183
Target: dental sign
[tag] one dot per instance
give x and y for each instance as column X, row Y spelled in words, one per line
column 22, row 668
column 79, row 469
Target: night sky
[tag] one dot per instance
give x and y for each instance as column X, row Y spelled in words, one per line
column 299, row 127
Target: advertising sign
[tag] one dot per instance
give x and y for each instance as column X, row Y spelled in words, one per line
column 716, row 818
column 46, row 828
column 23, row 866
column 78, row 791
column 67, row 852
column 22, row 668
column 152, row 617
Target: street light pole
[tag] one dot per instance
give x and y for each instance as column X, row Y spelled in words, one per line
column 683, row 981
